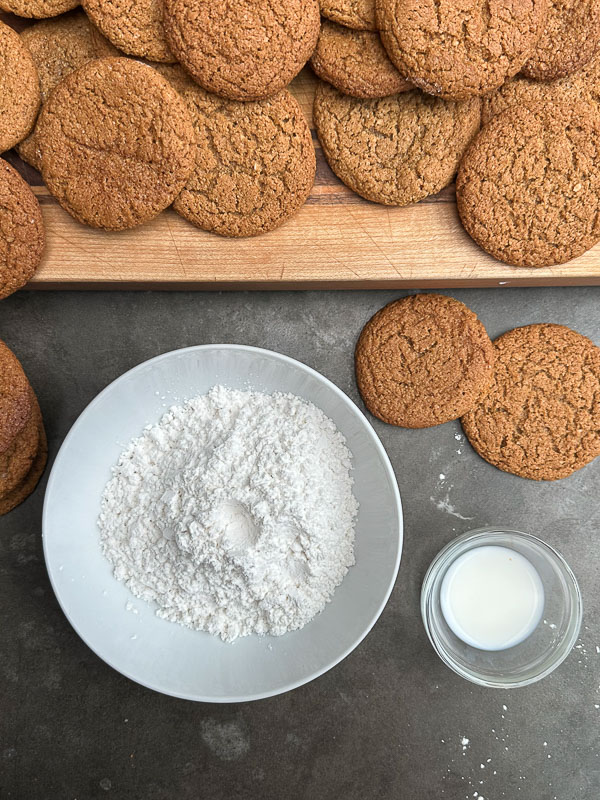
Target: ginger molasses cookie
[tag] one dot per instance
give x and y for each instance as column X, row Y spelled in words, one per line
column 423, row 360
column 528, row 187
column 16, row 461
column 355, row 62
column 244, row 50
column 22, row 491
column 135, row 27
column 38, row 9
column 255, row 163
column 583, row 85
column 571, row 37
column 395, row 150
column 356, row 14
column 15, row 398
column 21, row 231
column 58, row 47
column 19, row 89
column 461, row 49
column 541, row 417
column 117, row 143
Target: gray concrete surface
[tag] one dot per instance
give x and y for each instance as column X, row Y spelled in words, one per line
column 388, row 721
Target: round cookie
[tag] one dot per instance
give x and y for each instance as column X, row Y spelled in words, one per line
column 28, row 484
column 38, row 9
column 22, row 235
column 355, row 62
column 458, row 50
column 583, row 85
column 245, row 50
column 136, row 28
column 528, row 187
column 423, row 360
column 541, row 417
column 16, row 461
column 117, row 143
column 15, row 398
column 395, row 150
column 58, row 46
column 571, row 37
column 356, row 14
column 19, row 89
column 255, row 163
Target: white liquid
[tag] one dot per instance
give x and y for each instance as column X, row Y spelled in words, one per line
column 492, row 597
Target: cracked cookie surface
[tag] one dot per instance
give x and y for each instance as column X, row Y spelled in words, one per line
column 423, row 360
column 356, row 63
column 356, row 14
column 528, row 187
column 570, row 38
column 19, row 89
column 243, row 50
column 394, row 150
column 58, row 47
column 541, row 417
column 38, row 9
column 135, row 28
column 21, row 231
column 460, row 49
column 117, row 143
column 255, row 163
column 583, row 85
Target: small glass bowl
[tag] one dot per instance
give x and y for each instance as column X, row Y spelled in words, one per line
column 539, row 654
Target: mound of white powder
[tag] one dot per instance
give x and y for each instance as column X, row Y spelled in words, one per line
column 234, row 514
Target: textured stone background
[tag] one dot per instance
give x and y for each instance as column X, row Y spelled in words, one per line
column 389, row 720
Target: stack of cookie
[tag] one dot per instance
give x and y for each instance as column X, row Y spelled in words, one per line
column 528, row 190
column 529, row 402
column 118, row 140
column 23, row 448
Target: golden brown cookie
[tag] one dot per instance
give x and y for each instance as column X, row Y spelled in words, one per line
column 395, row 150
column 21, row 231
column 58, row 47
column 15, row 398
column 244, row 50
column 16, row 461
column 458, row 50
column 423, row 360
column 117, row 143
column 541, row 417
column 38, row 9
column 136, row 28
column 102, row 47
column 19, row 89
column 356, row 14
column 355, row 62
column 528, row 188
column 255, row 163
column 571, row 37
column 583, row 85
column 28, row 484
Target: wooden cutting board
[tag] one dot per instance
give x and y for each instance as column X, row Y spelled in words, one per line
column 337, row 240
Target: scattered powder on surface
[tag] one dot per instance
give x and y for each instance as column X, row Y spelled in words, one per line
column 234, row 514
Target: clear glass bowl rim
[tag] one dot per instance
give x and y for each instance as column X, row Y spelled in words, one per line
column 431, row 580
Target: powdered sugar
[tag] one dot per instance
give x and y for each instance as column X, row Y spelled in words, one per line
column 234, row 513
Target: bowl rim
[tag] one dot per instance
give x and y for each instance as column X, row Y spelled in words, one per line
column 370, row 432
column 432, row 580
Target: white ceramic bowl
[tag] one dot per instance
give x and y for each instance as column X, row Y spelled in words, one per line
column 123, row 630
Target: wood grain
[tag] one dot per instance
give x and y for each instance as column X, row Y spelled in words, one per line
column 337, row 240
